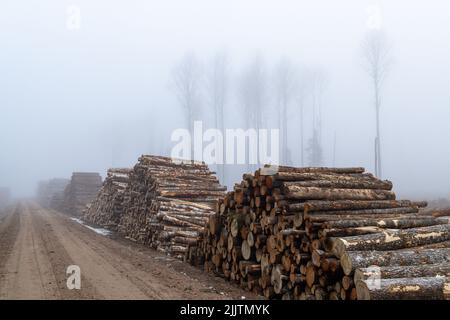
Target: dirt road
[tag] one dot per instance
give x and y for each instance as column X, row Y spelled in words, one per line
column 37, row 245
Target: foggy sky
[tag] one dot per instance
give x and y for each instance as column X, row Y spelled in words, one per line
column 98, row 97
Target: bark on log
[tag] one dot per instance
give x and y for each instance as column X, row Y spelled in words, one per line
column 271, row 170
column 246, row 250
column 436, row 212
column 325, row 205
column 391, row 240
column 416, row 271
column 427, row 288
column 389, row 211
column 390, row 223
column 343, row 184
column 362, row 259
column 346, row 232
column 294, row 192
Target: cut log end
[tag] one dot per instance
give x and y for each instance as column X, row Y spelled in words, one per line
column 362, row 290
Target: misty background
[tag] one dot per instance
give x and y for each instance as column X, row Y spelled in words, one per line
column 99, row 96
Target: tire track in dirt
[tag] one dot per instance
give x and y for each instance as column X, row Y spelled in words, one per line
column 156, row 275
column 60, row 260
column 39, row 244
column 108, row 282
column 25, row 272
column 9, row 229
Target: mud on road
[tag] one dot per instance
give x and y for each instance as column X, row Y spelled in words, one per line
column 37, row 245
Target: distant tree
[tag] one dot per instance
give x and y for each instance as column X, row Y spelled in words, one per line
column 315, row 152
column 285, row 81
column 252, row 93
column 318, row 84
column 217, row 89
column 377, row 61
column 302, row 91
column 186, row 76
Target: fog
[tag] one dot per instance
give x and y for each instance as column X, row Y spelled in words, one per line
column 98, row 96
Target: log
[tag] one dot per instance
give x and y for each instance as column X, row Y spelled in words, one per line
column 345, row 232
column 391, row 240
column 436, row 212
column 246, row 250
column 320, row 205
column 312, row 193
column 415, row 271
column 250, row 239
column 362, row 259
column 391, row 223
column 337, row 217
column 278, row 277
column 427, row 288
column 338, row 182
column 389, row 211
column 271, row 170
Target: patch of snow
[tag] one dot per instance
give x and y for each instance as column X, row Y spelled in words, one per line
column 101, row 231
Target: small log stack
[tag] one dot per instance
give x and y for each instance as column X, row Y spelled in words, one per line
column 312, row 233
column 107, row 208
column 81, row 190
column 50, row 193
column 168, row 203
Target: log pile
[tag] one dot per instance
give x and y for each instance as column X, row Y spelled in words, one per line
column 81, row 190
column 168, row 203
column 50, row 193
column 57, row 201
column 314, row 233
column 107, row 208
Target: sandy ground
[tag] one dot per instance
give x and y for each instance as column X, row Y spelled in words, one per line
column 37, row 245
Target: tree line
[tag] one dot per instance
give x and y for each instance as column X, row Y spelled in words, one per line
column 282, row 90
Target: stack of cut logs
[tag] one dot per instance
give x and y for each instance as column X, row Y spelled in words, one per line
column 81, row 190
column 107, row 208
column 168, row 203
column 50, row 193
column 316, row 233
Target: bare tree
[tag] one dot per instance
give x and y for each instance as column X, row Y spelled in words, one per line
column 285, row 81
column 315, row 152
column 377, row 61
column 318, row 84
column 302, row 90
column 186, row 77
column 252, row 93
column 217, row 89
